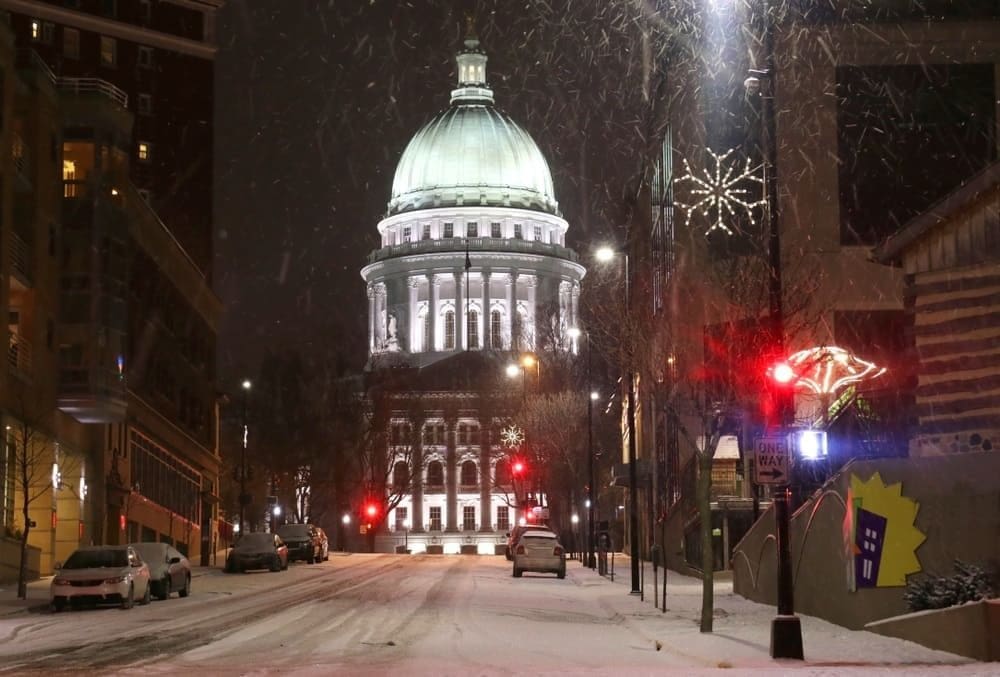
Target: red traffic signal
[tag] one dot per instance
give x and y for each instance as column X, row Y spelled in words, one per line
column 371, row 510
column 517, row 468
column 782, row 373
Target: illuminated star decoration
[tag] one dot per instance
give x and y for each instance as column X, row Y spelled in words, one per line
column 722, row 192
column 512, row 436
column 827, row 369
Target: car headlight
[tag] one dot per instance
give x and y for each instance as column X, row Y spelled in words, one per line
column 116, row 579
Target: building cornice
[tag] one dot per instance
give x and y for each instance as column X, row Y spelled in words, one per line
column 115, row 29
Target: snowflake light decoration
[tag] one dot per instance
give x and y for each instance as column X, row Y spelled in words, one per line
column 721, row 191
column 512, row 436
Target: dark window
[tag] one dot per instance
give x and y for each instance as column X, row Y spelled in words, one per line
column 469, row 474
column 472, row 229
column 496, row 326
column 907, row 136
column 503, row 518
column 71, row 43
column 449, row 330
column 426, row 235
column 502, row 474
column 427, row 332
column 495, row 229
column 435, row 512
column 435, row 474
column 400, row 477
column 145, row 57
column 449, row 230
column 469, row 518
column 473, row 329
column 518, row 231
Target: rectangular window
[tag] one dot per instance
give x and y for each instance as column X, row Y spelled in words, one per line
column 538, row 233
column 495, row 229
column 496, row 340
column 472, row 229
column 449, row 330
column 426, row 234
column 472, row 329
column 402, row 515
column 71, row 43
column 144, row 151
column 48, row 32
column 503, row 518
column 109, row 8
column 427, row 333
column 109, row 51
column 36, row 30
column 145, row 11
column 469, row 518
column 518, row 231
column 436, row 518
column 144, row 104
column 449, row 230
column 407, row 234
column 145, row 57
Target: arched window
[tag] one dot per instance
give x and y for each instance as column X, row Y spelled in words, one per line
column 401, row 477
column 473, row 329
column 435, row 474
column 496, row 329
column 469, row 474
column 449, row 330
column 502, row 476
column 427, row 333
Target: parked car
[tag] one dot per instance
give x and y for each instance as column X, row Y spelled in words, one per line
column 169, row 570
column 258, row 550
column 106, row 574
column 515, row 534
column 539, row 551
column 305, row 542
column 326, row 543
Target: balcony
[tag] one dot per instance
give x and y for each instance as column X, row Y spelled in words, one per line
column 20, row 262
column 75, row 86
column 475, row 244
column 91, row 395
column 19, row 356
column 22, row 163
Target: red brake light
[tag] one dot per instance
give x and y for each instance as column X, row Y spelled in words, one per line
column 557, row 551
column 520, row 550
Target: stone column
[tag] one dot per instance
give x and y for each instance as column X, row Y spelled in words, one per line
column 485, row 476
column 371, row 318
column 485, row 337
column 531, row 282
column 380, row 307
column 417, row 518
column 460, row 318
column 508, row 320
column 574, row 306
column 415, row 337
column 451, row 477
column 435, row 298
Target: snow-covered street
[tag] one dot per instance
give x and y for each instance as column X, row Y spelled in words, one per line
column 390, row 614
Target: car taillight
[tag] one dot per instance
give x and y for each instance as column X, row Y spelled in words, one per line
column 520, row 550
column 557, row 551
column 116, row 579
column 61, row 581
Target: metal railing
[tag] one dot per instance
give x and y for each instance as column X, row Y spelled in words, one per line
column 73, row 85
column 20, row 258
column 19, row 354
column 474, row 244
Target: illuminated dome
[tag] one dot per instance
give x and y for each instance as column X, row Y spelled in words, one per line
column 472, row 154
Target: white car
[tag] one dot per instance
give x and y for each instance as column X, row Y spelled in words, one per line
column 104, row 574
column 169, row 570
column 539, row 551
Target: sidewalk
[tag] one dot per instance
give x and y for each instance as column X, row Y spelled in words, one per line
column 741, row 630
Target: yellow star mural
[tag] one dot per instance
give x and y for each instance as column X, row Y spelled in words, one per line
column 884, row 536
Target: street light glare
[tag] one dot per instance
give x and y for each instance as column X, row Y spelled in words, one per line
column 594, row 395
column 528, row 360
column 604, row 254
column 573, row 332
column 512, row 370
column 246, row 384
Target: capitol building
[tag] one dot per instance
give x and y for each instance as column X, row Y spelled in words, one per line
column 473, row 273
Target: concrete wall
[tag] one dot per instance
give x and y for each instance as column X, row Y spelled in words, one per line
column 959, row 513
column 10, row 560
column 973, row 629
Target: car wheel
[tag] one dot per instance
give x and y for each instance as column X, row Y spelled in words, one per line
column 58, row 605
column 517, row 572
column 506, row 553
column 186, row 590
column 129, row 599
column 561, row 573
column 147, row 596
column 164, row 590
column 311, row 559
column 326, row 555
column 284, row 567
column 276, row 564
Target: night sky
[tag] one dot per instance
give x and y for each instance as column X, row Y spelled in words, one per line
column 315, row 107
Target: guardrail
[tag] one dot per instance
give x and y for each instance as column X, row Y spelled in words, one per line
column 73, row 85
column 473, row 244
column 20, row 258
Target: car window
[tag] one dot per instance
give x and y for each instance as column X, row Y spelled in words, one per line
column 255, row 540
column 90, row 559
column 149, row 552
column 294, row 531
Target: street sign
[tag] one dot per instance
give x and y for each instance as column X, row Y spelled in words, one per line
column 771, row 456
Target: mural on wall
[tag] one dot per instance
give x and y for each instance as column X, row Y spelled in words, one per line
column 880, row 535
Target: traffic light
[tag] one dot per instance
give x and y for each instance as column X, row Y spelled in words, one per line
column 369, row 513
column 517, row 468
column 779, row 404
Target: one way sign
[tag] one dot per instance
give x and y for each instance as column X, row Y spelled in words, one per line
column 771, row 460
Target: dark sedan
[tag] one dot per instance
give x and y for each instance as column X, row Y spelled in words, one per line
column 258, row 550
column 305, row 542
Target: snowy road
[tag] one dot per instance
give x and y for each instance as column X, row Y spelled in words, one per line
column 387, row 614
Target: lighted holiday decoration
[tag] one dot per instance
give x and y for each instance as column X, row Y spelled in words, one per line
column 720, row 192
column 512, row 436
column 825, row 370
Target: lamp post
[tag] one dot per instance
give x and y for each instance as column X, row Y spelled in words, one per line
column 604, row 255
column 244, row 497
column 527, row 361
column 591, row 500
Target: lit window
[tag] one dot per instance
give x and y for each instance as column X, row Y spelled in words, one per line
column 449, row 230
column 495, row 229
column 473, row 328
column 71, row 43
column 407, row 234
column 449, row 330
column 144, row 104
column 495, row 330
column 469, row 518
column 503, row 518
column 472, row 229
column 145, row 57
column 144, row 151
column 109, row 51
column 435, row 514
column 36, row 29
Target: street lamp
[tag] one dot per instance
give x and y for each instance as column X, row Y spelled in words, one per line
column 605, row 255
column 591, row 561
column 244, row 497
column 526, row 362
